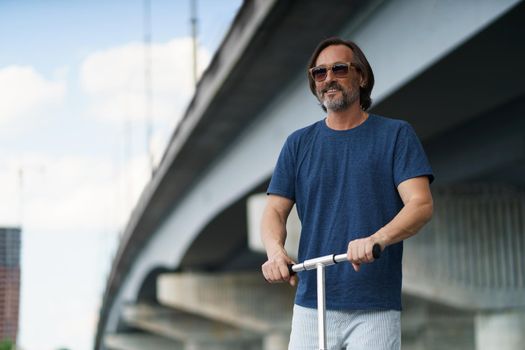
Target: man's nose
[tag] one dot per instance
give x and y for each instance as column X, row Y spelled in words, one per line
column 329, row 76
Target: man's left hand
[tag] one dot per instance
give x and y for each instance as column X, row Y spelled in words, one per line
column 360, row 252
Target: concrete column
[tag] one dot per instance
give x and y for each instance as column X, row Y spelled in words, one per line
column 430, row 326
column 139, row 341
column 192, row 345
column 276, row 341
column 184, row 327
column 255, row 208
column 502, row 330
column 243, row 300
column 198, row 345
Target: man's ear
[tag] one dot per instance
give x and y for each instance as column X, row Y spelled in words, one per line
column 362, row 80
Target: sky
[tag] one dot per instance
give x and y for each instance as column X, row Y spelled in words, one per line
column 74, row 151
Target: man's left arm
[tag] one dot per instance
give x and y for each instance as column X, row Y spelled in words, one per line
column 416, row 212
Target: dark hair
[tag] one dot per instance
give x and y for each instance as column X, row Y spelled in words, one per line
column 359, row 60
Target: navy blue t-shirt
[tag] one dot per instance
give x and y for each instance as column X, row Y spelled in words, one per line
column 344, row 184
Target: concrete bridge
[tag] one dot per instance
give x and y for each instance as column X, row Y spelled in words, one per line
column 186, row 275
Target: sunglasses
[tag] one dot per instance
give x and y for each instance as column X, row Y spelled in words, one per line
column 339, row 70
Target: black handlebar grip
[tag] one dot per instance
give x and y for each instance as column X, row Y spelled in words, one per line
column 376, row 251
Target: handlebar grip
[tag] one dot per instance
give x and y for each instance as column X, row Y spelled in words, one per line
column 376, row 251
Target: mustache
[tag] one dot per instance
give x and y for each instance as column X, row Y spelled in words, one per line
column 332, row 85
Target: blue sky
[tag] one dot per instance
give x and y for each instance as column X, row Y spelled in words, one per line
column 73, row 151
column 62, row 32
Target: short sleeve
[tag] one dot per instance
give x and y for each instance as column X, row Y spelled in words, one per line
column 283, row 178
column 410, row 159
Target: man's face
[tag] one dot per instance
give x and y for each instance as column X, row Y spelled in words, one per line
column 337, row 94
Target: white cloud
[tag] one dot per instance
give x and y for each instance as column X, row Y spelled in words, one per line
column 114, row 79
column 73, row 192
column 70, row 204
column 65, row 193
column 61, row 73
column 73, row 207
column 10, row 194
column 24, row 92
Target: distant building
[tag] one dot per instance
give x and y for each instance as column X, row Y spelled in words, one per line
column 9, row 282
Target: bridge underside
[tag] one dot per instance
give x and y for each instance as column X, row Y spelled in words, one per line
column 464, row 285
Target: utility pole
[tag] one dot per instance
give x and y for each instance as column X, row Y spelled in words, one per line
column 20, row 195
column 22, row 174
column 193, row 5
column 148, row 81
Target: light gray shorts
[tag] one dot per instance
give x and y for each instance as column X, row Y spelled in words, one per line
column 348, row 330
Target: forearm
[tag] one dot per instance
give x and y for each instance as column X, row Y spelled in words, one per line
column 273, row 232
column 273, row 235
column 412, row 217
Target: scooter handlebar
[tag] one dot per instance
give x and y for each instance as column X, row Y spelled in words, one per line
column 327, row 260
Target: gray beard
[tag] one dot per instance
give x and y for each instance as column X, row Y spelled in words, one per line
column 340, row 104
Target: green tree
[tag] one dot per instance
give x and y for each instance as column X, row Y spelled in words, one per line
column 6, row 344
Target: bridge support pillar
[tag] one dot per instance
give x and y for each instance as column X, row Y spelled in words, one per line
column 196, row 345
column 277, row 340
column 429, row 326
column 241, row 300
column 502, row 330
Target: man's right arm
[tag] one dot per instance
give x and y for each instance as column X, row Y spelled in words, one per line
column 273, row 235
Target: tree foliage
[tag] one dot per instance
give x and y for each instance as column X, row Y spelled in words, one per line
column 6, row 344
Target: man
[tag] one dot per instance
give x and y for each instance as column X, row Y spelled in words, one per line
column 357, row 180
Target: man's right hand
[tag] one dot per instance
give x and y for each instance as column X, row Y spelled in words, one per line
column 273, row 235
column 275, row 269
